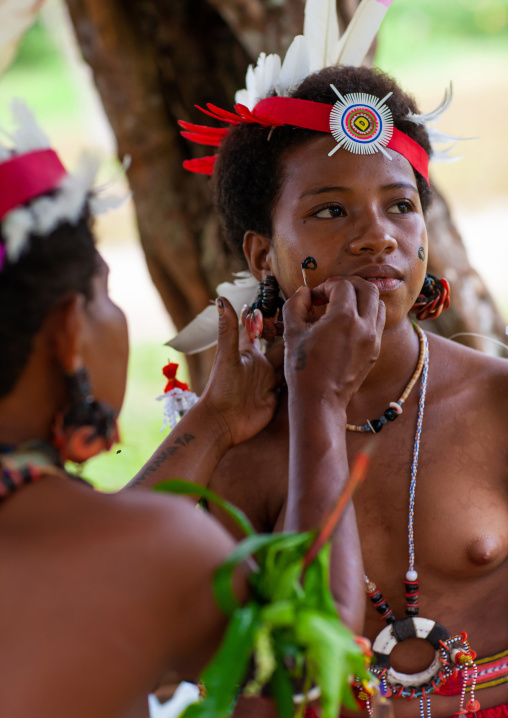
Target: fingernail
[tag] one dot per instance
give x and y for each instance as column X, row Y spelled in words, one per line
column 220, row 306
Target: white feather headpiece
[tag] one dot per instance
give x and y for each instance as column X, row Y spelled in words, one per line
column 41, row 215
column 318, row 47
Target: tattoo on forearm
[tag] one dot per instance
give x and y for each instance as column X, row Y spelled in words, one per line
column 301, row 358
column 181, row 442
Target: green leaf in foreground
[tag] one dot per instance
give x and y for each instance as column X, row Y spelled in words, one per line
column 289, row 636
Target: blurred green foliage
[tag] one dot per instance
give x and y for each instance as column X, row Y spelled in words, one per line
column 140, row 420
column 425, row 35
column 453, row 19
column 41, row 76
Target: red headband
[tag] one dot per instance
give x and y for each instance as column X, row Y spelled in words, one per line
column 276, row 111
column 28, row 176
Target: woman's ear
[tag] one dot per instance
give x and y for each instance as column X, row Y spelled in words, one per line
column 67, row 326
column 257, row 250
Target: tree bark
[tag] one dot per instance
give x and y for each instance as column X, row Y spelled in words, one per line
column 152, row 61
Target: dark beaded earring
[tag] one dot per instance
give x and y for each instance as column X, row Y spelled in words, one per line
column 433, row 299
column 88, row 426
column 261, row 319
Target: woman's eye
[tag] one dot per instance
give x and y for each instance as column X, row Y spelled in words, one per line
column 401, row 208
column 330, row 212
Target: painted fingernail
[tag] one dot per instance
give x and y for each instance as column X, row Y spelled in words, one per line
column 220, row 306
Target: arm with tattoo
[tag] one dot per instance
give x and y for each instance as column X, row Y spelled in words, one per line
column 238, row 402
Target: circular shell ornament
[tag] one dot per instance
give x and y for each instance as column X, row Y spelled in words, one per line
column 446, row 659
column 361, row 123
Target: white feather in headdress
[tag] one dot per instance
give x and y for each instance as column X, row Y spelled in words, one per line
column 295, row 68
column 435, row 136
column 361, row 31
column 424, row 117
column 321, row 32
column 260, row 80
column 318, row 47
column 201, row 333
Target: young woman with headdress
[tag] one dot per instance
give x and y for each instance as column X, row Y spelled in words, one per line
column 324, row 172
column 102, row 595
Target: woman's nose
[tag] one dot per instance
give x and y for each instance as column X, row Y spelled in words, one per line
column 371, row 237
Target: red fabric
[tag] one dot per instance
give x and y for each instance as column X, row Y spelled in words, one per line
column 488, row 671
column 316, row 116
column 496, row 712
column 169, row 372
column 411, row 150
column 28, row 176
column 276, row 111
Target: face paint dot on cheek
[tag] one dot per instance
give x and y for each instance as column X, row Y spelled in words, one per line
column 421, row 253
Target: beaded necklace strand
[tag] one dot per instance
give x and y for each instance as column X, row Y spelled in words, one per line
column 395, row 407
column 453, row 653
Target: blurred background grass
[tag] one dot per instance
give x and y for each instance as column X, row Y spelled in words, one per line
column 424, row 44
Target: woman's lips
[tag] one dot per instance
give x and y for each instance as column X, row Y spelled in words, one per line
column 385, row 277
column 384, row 284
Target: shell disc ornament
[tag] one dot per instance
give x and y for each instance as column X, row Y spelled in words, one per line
column 453, row 654
column 361, row 123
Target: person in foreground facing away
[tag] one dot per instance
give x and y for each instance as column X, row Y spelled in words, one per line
column 293, row 191
column 103, row 594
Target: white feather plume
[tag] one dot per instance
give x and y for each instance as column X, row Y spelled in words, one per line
column 321, row 32
column 424, row 117
column 16, row 227
column 360, row 33
column 295, row 68
column 260, row 80
column 201, row 333
column 436, row 137
column 318, row 47
column 28, row 135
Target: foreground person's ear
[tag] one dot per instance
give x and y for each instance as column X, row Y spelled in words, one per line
column 67, row 327
column 256, row 248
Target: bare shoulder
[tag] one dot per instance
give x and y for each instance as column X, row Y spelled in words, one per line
column 459, row 369
column 253, row 475
column 125, row 577
column 140, row 558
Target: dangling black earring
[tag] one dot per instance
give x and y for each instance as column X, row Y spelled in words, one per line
column 261, row 318
column 433, row 299
column 88, row 426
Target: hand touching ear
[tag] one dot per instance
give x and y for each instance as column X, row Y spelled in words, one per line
column 241, row 391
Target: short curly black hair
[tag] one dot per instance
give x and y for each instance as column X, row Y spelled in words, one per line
column 248, row 174
column 53, row 267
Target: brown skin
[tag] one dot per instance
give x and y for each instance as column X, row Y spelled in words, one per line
column 352, row 213
column 103, row 595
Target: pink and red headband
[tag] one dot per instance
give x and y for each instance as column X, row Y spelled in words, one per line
column 360, row 123
column 25, row 177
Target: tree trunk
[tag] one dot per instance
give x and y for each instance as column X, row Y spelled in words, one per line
column 152, row 61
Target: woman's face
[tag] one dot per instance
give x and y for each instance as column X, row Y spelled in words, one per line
column 356, row 215
column 105, row 342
